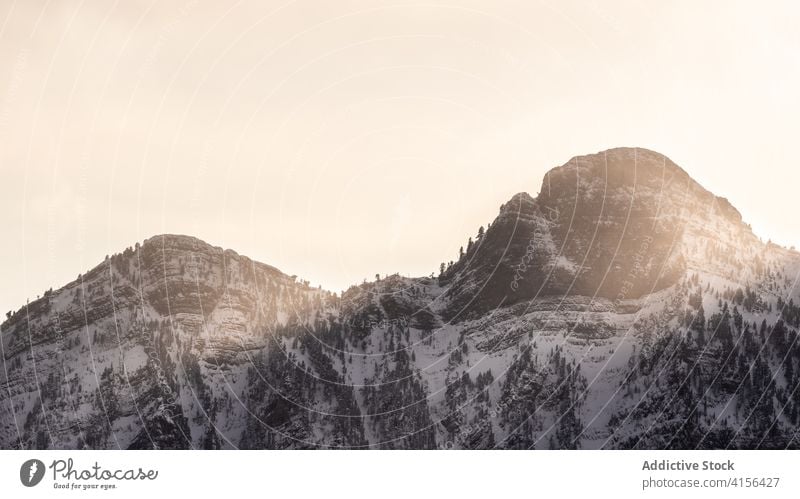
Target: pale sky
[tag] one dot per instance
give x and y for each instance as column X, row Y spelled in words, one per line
column 336, row 140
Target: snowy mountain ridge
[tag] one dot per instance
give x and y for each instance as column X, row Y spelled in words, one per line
column 625, row 306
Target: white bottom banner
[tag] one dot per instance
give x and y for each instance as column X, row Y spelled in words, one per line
column 389, row 474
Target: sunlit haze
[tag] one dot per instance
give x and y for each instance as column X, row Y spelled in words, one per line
column 336, row 140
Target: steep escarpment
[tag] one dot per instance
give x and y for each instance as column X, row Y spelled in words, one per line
column 614, row 225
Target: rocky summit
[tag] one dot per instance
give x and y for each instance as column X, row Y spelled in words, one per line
column 625, row 306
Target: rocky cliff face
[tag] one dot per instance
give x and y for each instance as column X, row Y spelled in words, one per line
column 623, row 307
column 610, row 225
column 147, row 349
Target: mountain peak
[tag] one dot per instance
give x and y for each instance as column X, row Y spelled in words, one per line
column 627, row 157
column 181, row 241
column 619, row 166
column 519, row 204
column 617, row 224
column 633, row 172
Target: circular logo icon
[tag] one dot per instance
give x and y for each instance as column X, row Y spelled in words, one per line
column 31, row 472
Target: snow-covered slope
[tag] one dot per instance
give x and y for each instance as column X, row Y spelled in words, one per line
column 624, row 306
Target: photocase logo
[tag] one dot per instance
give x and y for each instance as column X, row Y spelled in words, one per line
column 31, row 472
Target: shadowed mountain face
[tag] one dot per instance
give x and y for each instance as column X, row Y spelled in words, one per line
column 623, row 307
column 607, row 225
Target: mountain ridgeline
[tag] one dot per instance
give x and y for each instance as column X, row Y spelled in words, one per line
column 623, row 307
